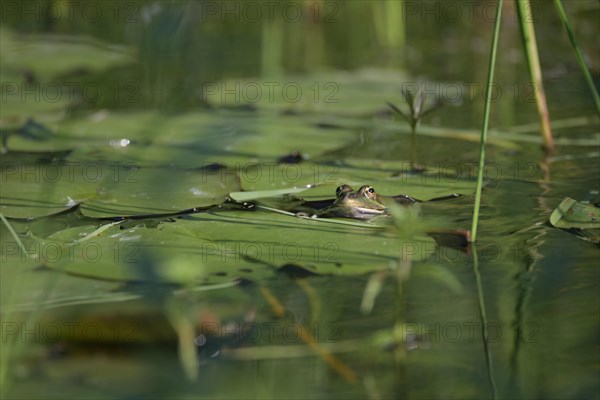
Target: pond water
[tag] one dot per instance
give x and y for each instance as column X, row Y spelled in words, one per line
column 147, row 109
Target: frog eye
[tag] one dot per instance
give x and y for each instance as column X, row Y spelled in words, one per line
column 341, row 190
column 367, row 190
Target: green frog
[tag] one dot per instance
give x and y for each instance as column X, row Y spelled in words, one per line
column 361, row 204
column 365, row 204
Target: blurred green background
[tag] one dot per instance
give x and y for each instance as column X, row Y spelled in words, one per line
column 195, row 82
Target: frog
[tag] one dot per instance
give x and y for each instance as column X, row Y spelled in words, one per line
column 363, row 204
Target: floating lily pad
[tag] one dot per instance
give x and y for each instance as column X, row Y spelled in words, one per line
column 35, row 189
column 571, row 213
column 147, row 191
column 22, row 101
column 147, row 254
column 236, row 139
column 215, row 247
column 315, row 245
column 32, row 88
column 67, row 53
column 389, row 178
column 32, row 189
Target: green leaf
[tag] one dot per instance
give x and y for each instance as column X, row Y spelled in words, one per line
column 571, row 213
column 192, row 140
column 31, row 70
column 67, row 53
column 147, row 254
column 149, row 191
column 32, row 189
column 389, row 178
column 279, row 240
column 216, row 247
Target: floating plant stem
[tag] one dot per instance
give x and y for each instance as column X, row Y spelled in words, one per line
column 486, row 119
column 98, row 231
column 535, row 71
column 578, row 54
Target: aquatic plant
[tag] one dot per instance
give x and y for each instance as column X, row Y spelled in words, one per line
column 416, row 112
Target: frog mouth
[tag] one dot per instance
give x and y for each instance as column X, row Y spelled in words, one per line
column 364, row 210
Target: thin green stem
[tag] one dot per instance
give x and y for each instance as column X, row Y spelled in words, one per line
column 98, row 231
column 486, row 119
column 271, row 48
column 13, row 233
column 413, row 146
column 389, row 24
column 578, row 53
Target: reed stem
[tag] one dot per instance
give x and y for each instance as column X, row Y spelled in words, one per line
column 486, row 119
column 578, row 53
column 535, row 71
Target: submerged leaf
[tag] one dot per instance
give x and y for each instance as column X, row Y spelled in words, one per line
column 442, row 275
